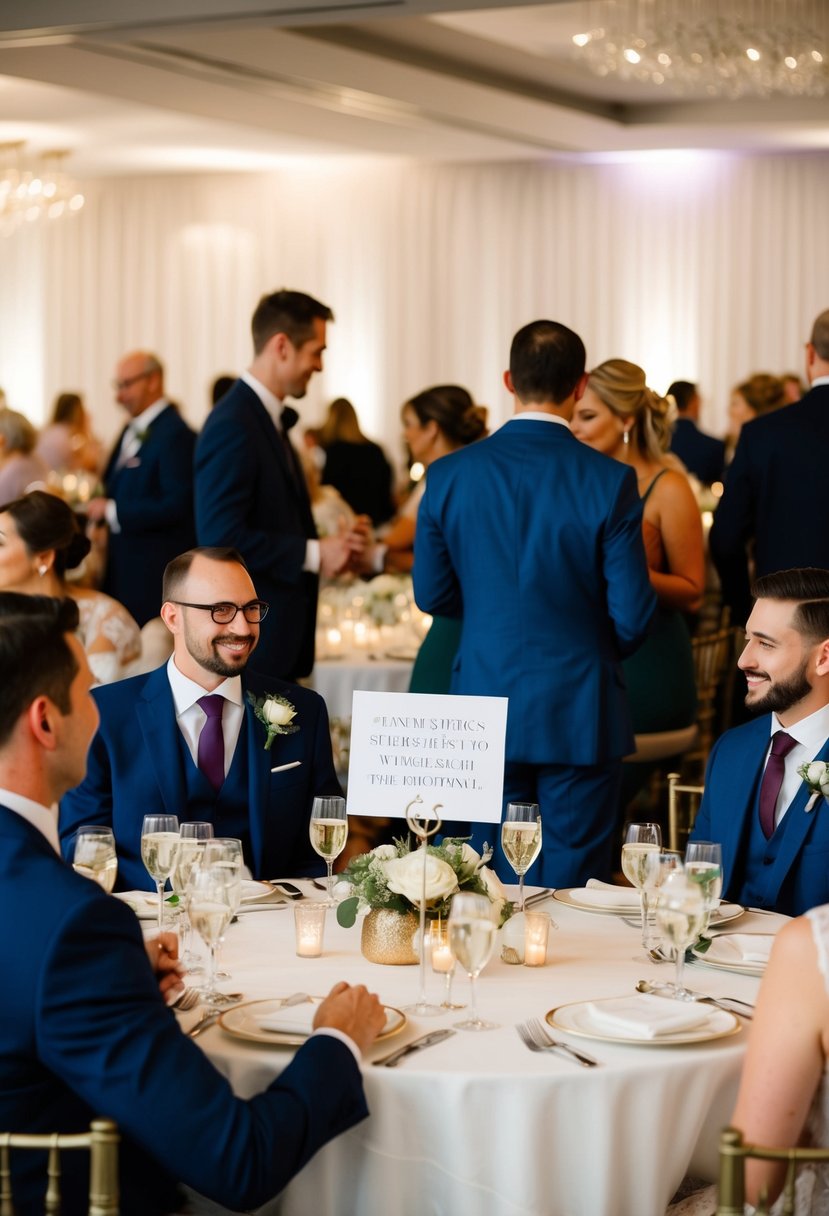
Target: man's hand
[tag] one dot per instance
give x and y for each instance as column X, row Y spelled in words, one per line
column 95, row 510
column 335, row 555
column 353, row 1010
column 162, row 951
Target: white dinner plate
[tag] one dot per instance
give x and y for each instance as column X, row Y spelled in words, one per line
column 720, row 956
column 244, row 1022
column 575, row 1019
column 567, row 895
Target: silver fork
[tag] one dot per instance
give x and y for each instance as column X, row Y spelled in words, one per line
column 188, row 998
column 534, row 1036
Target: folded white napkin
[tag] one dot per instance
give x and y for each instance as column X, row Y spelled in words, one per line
column 143, row 903
column 259, row 895
column 295, row 1019
column 741, row 947
column 645, row 1017
column 599, row 894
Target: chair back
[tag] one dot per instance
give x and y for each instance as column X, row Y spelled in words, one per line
column 733, row 1155
column 712, row 653
column 681, row 812
column 102, row 1142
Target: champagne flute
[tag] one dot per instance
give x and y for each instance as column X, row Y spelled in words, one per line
column 681, row 915
column 191, row 845
column 640, row 863
column 95, row 856
column 328, row 830
column 224, row 855
column 443, row 960
column 521, row 840
column 471, row 938
column 159, row 848
column 703, row 864
column 209, row 909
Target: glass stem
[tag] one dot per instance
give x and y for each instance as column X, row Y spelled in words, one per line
column 211, row 972
column 160, row 886
column 521, row 892
column 473, row 1001
column 680, row 965
column 447, row 996
column 646, row 933
column 329, row 861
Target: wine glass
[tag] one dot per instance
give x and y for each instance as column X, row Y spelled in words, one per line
column 443, row 960
column 471, row 938
column 328, row 830
column 703, row 864
column 640, row 863
column 95, row 856
column 209, row 908
column 521, row 840
column 159, row 848
column 224, row 854
column 680, row 915
column 191, row 846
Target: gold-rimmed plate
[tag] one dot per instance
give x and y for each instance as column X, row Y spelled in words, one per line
column 573, row 898
column 575, row 1019
column 725, row 956
column 244, row 1022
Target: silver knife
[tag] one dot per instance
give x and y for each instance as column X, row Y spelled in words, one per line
column 426, row 1040
column 538, row 897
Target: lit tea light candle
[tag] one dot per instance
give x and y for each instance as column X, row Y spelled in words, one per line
column 443, row 960
column 360, row 633
column 335, row 641
column 536, row 931
column 309, row 923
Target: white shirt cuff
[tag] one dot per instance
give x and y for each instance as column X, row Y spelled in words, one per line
column 312, row 557
column 344, row 1038
column 111, row 515
column 378, row 558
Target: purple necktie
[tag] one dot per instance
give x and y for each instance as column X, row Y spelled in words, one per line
column 781, row 745
column 212, row 741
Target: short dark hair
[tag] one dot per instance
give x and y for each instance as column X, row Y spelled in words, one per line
column 287, row 312
column 176, row 571
column 546, row 362
column 809, row 589
column 820, row 335
column 43, row 522
column 683, row 393
column 220, row 387
column 35, row 659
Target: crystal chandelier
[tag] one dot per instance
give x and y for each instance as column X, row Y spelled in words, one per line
column 708, row 48
column 34, row 190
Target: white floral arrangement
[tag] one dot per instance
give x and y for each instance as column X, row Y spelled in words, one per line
column 391, row 876
column 276, row 715
column 816, row 776
column 385, row 599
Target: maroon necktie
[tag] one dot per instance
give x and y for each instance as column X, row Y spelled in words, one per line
column 211, row 754
column 781, row 745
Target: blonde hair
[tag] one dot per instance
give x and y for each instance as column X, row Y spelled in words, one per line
column 17, row 432
column 622, row 387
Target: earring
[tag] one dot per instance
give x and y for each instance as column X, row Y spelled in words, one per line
column 42, row 570
column 626, row 438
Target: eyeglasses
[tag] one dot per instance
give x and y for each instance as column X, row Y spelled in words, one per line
column 253, row 612
column 119, row 385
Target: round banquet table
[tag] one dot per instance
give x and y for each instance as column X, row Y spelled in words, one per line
column 478, row 1125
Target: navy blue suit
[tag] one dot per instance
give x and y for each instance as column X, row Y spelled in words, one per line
column 84, row 1033
column 702, row 454
column 153, row 495
column 776, row 495
column 138, row 764
column 536, row 541
column 248, row 496
column 793, row 872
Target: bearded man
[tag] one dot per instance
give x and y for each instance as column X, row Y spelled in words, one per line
column 189, row 739
column 774, row 833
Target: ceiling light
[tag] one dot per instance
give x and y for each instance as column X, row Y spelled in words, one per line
column 32, row 190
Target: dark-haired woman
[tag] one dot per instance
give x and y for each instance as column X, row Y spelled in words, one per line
column 40, row 539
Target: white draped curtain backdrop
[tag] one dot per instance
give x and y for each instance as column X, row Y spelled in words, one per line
column 698, row 266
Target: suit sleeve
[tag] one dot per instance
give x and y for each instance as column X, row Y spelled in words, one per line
column 104, row 1030
column 91, row 801
column 436, row 585
column 631, row 599
column 731, row 531
column 325, row 784
column 228, row 462
column 166, row 493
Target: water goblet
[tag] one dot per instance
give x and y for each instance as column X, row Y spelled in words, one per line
column 680, row 916
column 521, row 840
column 159, row 848
column 471, row 938
column 703, row 865
column 225, row 855
column 191, row 846
column 328, row 830
column 95, row 856
column 209, row 908
column 443, row 960
column 640, row 862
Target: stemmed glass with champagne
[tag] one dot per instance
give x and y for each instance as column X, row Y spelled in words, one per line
column 471, row 938
column 680, row 915
column 224, row 855
column 209, row 908
column 521, row 840
column 640, row 866
column 191, row 846
column 328, row 830
column 703, row 865
column 95, row 856
column 159, row 849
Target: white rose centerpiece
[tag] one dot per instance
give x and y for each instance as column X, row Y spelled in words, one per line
column 816, row 776
column 276, row 715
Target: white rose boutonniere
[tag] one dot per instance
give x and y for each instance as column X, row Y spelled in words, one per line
column 816, row 776
column 276, row 715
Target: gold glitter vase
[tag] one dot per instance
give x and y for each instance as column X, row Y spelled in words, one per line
column 387, row 937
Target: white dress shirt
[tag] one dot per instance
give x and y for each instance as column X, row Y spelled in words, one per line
column 811, row 733
column 44, row 818
column 191, row 717
column 537, row 416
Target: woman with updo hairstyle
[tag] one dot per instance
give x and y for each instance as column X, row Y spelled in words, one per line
column 759, row 394
column 40, row 540
column 620, row 416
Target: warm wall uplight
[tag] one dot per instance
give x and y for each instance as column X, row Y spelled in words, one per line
column 581, row 39
column 631, row 55
column 753, row 54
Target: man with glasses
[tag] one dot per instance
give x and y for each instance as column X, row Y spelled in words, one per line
column 188, row 739
column 149, row 488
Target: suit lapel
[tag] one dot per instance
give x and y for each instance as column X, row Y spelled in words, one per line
column 160, row 733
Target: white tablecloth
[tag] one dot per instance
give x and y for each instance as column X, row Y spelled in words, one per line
column 336, row 679
column 480, row 1126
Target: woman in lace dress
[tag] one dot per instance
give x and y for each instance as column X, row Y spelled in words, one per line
column 784, row 1096
column 40, row 539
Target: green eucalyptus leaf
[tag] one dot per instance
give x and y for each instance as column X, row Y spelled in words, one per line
column 347, row 911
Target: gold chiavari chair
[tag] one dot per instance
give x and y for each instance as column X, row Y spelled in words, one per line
column 681, row 812
column 102, row 1143
column 733, row 1154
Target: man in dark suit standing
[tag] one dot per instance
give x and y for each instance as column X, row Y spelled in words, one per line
column 250, row 489
column 536, row 541
column 702, row 454
column 776, row 495
column 149, row 488
column 86, row 1029
column 151, row 749
column 774, row 836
